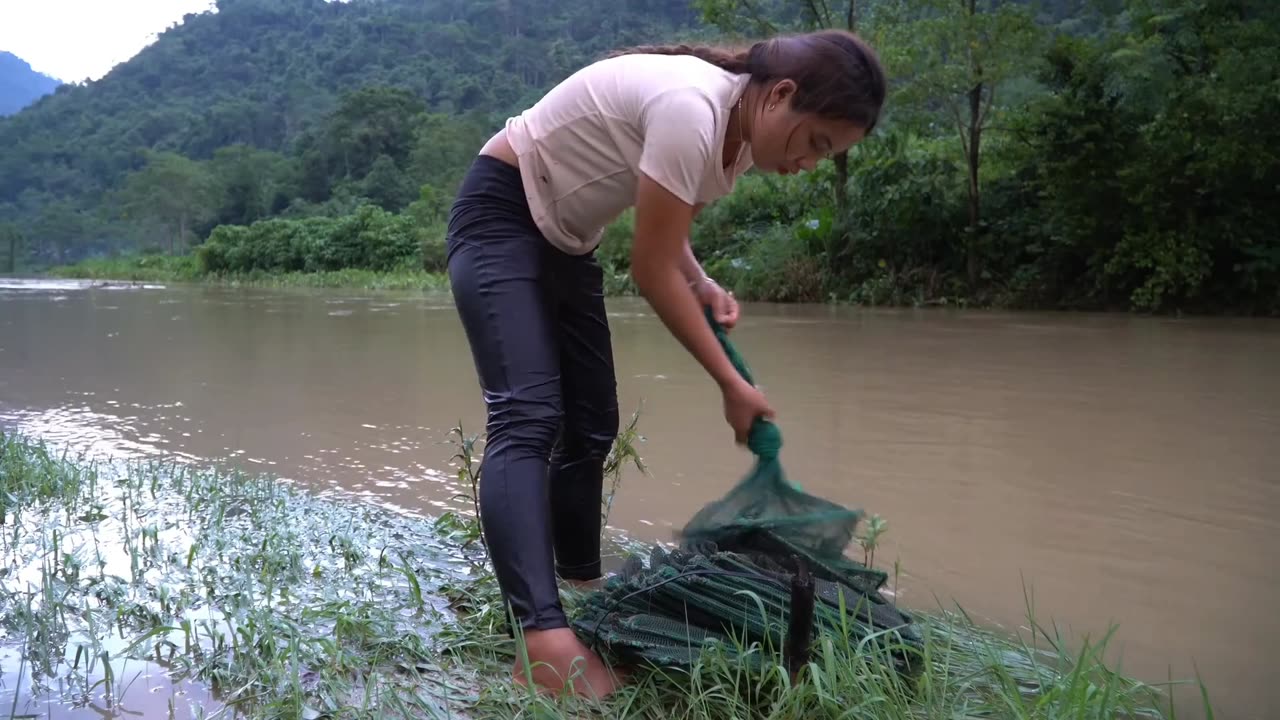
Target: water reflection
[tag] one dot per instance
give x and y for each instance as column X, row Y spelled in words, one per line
column 143, row 689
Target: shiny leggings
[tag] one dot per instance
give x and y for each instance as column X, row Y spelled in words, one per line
column 535, row 320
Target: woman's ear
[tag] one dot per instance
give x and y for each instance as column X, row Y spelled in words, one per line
column 781, row 93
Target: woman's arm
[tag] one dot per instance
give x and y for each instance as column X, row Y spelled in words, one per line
column 689, row 265
column 705, row 289
column 679, row 142
column 657, row 256
column 659, row 260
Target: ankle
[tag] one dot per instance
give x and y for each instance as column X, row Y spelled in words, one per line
column 580, row 585
column 538, row 642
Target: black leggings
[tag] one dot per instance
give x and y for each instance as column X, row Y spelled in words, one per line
column 535, row 319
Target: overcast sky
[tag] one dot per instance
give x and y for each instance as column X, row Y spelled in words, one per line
column 77, row 39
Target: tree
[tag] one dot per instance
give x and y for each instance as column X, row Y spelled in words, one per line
column 443, row 147
column 386, row 186
column 58, row 228
column 372, row 122
column 11, row 239
column 1211, row 166
column 174, row 191
column 252, row 183
column 954, row 57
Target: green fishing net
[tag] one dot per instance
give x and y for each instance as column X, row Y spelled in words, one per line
column 730, row 583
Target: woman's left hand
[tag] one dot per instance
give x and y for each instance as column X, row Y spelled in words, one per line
column 723, row 307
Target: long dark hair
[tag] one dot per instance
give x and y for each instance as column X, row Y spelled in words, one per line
column 837, row 75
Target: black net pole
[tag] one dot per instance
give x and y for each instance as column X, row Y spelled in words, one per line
column 800, row 622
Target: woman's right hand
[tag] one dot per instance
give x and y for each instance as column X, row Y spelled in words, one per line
column 662, row 223
column 743, row 403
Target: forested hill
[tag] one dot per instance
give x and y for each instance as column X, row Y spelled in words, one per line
column 1049, row 153
column 19, row 84
column 269, row 73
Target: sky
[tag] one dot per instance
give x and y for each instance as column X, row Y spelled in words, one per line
column 72, row 40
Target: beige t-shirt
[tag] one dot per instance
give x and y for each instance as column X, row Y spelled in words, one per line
column 582, row 146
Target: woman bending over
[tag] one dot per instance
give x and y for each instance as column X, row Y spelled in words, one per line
column 665, row 130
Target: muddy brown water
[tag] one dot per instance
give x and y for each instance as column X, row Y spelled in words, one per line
column 1121, row 469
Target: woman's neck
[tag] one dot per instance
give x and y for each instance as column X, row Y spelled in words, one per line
column 738, row 129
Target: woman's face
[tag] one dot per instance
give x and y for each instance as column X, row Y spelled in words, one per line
column 784, row 141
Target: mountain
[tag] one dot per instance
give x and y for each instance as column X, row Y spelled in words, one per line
column 20, row 85
column 302, row 107
column 270, row 76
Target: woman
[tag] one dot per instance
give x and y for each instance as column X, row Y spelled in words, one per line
column 665, row 130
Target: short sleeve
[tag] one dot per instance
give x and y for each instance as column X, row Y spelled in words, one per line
column 679, row 130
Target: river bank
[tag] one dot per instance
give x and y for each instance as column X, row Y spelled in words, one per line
column 887, row 291
column 184, row 268
column 165, row 586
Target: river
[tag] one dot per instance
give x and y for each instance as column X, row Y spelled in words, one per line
column 1126, row 469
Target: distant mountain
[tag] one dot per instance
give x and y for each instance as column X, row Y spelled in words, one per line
column 20, row 85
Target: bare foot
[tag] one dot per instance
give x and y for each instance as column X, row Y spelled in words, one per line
column 559, row 661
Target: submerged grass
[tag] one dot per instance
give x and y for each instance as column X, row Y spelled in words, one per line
column 290, row 606
column 284, row 604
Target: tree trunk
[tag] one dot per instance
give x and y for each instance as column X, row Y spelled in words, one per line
column 975, row 144
column 975, row 197
column 842, row 159
column 841, row 236
column 842, row 179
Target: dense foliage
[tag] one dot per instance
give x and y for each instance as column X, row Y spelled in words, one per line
column 1071, row 153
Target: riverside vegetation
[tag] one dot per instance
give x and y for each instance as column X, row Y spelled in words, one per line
column 286, row 605
column 1076, row 154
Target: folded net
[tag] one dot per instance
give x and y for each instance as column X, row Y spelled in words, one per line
column 728, row 586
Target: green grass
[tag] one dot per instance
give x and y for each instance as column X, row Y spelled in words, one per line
column 966, row 671
column 134, row 268
column 403, row 279
column 183, row 268
column 292, row 606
